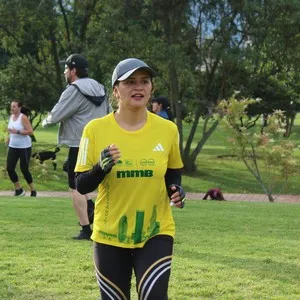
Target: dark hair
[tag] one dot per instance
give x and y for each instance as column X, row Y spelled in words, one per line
column 24, row 110
column 81, row 72
column 78, row 62
column 165, row 105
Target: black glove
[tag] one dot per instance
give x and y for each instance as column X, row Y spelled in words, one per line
column 181, row 194
column 106, row 161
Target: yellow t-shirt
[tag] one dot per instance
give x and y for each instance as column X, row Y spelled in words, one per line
column 132, row 203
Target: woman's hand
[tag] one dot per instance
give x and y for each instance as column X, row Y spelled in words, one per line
column 13, row 130
column 177, row 196
column 109, row 157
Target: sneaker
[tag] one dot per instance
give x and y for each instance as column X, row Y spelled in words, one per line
column 90, row 211
column 83, row 236
column 33, row 194
column 20, row 192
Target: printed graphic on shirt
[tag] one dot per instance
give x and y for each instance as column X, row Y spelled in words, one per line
column 139, row 234
column 134, row 173
column 81, row 159
column 158, row 147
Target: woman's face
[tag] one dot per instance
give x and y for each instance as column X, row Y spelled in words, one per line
column 15, row 108
column 135, row 91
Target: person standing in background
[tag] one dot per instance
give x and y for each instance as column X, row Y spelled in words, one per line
column 83, row 100
column 161, row 107
column 136, row 167
column 19, row 147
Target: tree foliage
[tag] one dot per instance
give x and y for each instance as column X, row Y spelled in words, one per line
column 266, row 154
column 202, row 50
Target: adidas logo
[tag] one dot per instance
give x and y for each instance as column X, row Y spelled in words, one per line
column 159, row 147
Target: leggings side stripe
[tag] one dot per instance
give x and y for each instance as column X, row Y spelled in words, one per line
column 108, row 290
column 103, row 279
column 151, row 267
column 155, row 279
column 165, row 266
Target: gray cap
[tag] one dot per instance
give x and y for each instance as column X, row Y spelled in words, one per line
column 128, row 66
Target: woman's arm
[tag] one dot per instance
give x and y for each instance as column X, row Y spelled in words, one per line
column 88, row 181
column 174, row 189
column 172, row 176
column 27, row 126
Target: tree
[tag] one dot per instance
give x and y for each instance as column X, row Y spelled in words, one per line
column 267, row 155
column 202, row 50
column 272, row 56
column 239, row 46
column 35, row 36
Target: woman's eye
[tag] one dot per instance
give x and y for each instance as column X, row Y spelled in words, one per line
column 130, row 82
column 134, row 82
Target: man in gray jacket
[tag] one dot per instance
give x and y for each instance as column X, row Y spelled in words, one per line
column 84, row 99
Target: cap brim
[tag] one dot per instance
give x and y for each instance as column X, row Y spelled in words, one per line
column 127, row 74
column 65, row 63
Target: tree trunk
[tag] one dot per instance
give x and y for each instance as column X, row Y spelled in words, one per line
column 189, row 165
column 270, row 197
column 255, row 172
column 289, row 124
column 190, row 157
column 174, row 93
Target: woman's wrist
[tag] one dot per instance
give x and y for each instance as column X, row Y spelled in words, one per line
column 18, row 131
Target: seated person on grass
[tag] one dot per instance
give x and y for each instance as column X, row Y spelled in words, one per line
column 214, row 194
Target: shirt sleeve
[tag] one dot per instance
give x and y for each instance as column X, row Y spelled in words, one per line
column 86, row 158
column 63, row 109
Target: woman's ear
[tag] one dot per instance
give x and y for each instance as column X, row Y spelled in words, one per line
column 115, row 93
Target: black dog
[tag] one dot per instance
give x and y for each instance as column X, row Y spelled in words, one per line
column 45, row 155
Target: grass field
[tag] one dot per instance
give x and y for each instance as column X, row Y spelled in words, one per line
column 215, row 167
column 223, row 250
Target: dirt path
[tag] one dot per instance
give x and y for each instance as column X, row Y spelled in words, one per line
column 192, row 196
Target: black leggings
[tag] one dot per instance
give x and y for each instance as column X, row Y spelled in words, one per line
column 14, row 154
column 151, row 265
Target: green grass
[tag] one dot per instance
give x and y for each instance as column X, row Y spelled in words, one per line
column 50, row 180
column 223, row 250
column 215, row 167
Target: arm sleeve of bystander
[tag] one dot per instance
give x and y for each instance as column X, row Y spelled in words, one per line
column 64, row 108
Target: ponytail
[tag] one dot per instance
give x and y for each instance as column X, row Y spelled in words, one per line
column 25, row 111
